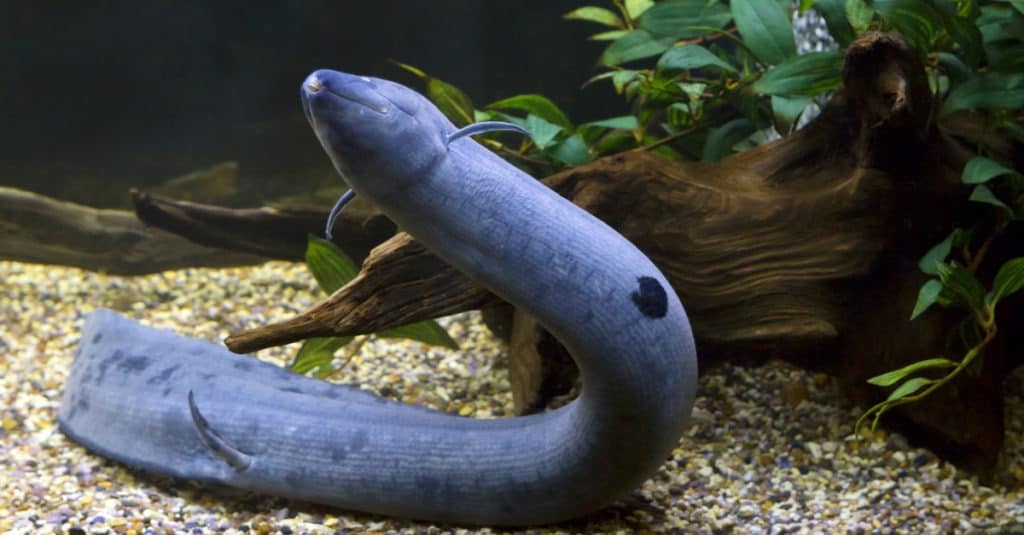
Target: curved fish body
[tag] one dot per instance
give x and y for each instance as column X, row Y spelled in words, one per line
column 254, row 426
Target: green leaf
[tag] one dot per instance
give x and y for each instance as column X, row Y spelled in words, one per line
column 986, row 91
column 538, row 105
column 330, row 266
column 998, row 23
column 694, row 91
column 318, row 361
column 958, row 70
column 685, row 19
column 608, row 36
column 982, row 194
column 415, row 70
column 452, row 102
column 834, row 13
column 929, row 262
column 915, row 19
column 542, row 132
column 316, row 352
column 623, row 122
column 926, row 297
column 428, row 332
column 599, row 15
column 634, row 45
column 966, row 34
column 981, row 169
column 573, row 151
column 766, row 28
column 1009, row 280
column 962, row 284
column 635, row 8
column 910, row 387
column 893, row 377
column 688, row 57
column 859, row 13
column 721, row 140
column 805, row 5
column 614, row 143
column 1007, row 60
column 787, row 110
column 621, row 79
column 807, row 74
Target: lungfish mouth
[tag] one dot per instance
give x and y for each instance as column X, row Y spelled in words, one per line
column 357, row 89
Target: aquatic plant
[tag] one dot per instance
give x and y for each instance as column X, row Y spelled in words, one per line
column 332, row 269
column 706, row 78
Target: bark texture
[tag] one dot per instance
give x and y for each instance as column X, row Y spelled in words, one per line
column 40, row 229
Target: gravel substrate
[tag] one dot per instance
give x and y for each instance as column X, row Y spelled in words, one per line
column 768, row 451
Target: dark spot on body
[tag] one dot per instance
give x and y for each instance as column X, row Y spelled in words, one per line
column 292, row 389
column 133, row 364
column 332, row 394
column 163, row 376
column 106, row 363
column 166, row 392
column 339, row 454
column 97, row 337
column 650, row 298
column 207, row 376
column 243, row 365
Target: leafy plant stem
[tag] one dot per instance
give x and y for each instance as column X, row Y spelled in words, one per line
column 626, row 18
column 880, row 408
column 350, row 353
column 975, row 260
column 708, row 38
column 728, row 35
column 671, row 138
column 500, row 147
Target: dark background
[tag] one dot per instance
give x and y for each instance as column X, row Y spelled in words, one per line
column 99, row 96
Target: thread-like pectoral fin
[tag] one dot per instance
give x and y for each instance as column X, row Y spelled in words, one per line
column 484, row 127
column 336, row 211
column 212, row 440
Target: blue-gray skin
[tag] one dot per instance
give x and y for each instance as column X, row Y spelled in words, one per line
column 191, row 409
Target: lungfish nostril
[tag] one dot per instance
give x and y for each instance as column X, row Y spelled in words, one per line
column 313, row 84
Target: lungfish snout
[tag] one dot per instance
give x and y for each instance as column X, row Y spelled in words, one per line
column 312, row 84
column 328, row 84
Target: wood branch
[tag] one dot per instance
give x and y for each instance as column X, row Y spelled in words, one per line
column 804, row 249
column 36, row 228
column 276, row 231
column 390, row 290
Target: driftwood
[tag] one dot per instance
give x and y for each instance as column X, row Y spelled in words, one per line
column 36, row 228
column 278, row 232
column 805, row 249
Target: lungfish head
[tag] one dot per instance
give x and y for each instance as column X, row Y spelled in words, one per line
column 377, row 133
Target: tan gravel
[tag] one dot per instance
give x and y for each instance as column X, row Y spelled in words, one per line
column 750, row 463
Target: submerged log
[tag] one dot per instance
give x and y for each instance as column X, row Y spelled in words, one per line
column 804, row 249
column 278, row 232
column 36, row 228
